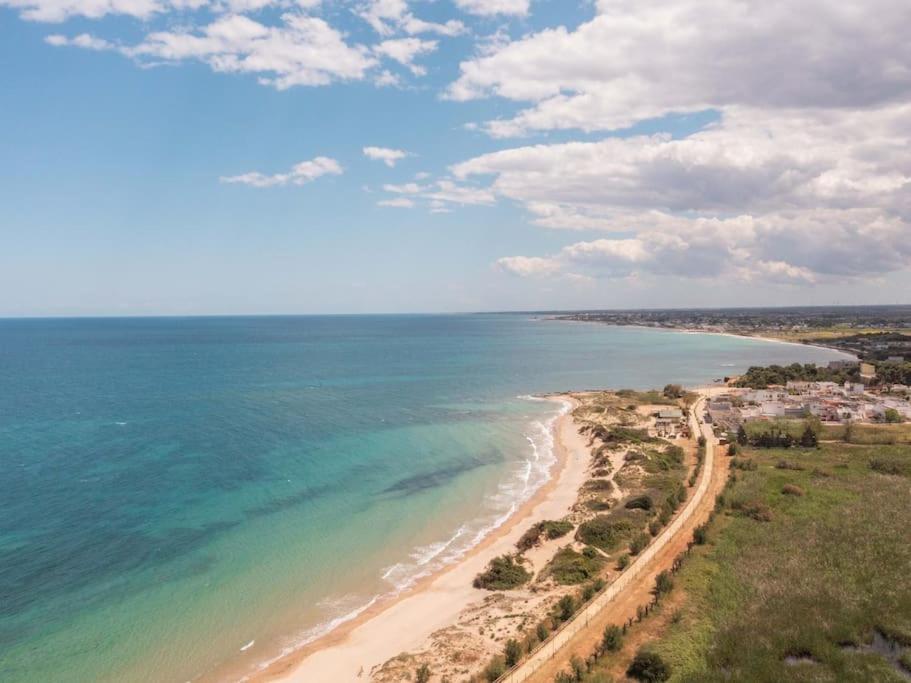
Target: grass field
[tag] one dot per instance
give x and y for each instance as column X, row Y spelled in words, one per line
column 820, row 591
column 870, row 433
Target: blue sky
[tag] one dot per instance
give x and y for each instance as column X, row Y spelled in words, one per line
column 608, row 178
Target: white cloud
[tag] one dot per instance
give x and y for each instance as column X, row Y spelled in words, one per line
column 303, row 50
column 398, row 203
column 640, row 59
column 300, row 174
column 492, row 7
column 407, row 188
column 528, row 266
column 389, row 16
column 405, row 50
column 388, row 156
column 60, row 10
column 83, row 40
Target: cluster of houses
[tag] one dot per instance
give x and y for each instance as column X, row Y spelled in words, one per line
column 830, row 402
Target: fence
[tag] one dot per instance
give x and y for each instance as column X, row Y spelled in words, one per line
column 582, row 618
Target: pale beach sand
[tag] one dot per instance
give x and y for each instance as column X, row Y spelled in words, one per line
column 353, row 650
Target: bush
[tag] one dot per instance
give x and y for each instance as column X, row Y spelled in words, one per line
column 422, row 675
column 613, row 638
column 566, row 607
column 622, row 562
column 578, row 666
column 598, row 485
column 640, row 503
column 495, row 669
column 792, row 490
column 757, row 510
column 503, row 573
column 549, row 528
column 787, row 465
column 893, row 466
column 648, row 666
column 512, row 653
column 663, row 584
column 541, row 631
column 569, row 567
column 700, row 534
column 654, row 527
column 673, row 391
column 892, row 416
column 638, row 544
column 605, row 532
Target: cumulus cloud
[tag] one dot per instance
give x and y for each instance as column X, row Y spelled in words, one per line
column 388, row 156
column 799, row 196
column 60, row 10
column 303, row 50
column 528, row 266
column 389, row 16
column 405, row 50
column 441, row 195
column 640, row 59
column 493, row 7
column 300, row 174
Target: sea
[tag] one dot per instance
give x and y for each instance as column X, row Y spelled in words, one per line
column 186, row 497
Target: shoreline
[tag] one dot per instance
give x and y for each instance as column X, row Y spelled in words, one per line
column 351, row 650
column 693, row 330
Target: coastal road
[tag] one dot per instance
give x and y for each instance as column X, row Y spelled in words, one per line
column 632, row 589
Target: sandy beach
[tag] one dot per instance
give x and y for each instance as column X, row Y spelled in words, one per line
column 355, row 649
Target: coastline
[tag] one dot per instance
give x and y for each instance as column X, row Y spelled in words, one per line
column 354, row 648
column 738, row 335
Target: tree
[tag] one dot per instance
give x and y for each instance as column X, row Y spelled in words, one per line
column 673, row 391
column 422, row 675
column 512, row 652
column 566, row 607
column 648, row 666
column 809, row 439
column 613, row 638
column 742, row 437
column 663, row 584
column 892, row 416
column 542, row 631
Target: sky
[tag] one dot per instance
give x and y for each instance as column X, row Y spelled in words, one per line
column 184, row 157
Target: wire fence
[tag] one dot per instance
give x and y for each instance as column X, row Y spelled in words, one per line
column 546, row 650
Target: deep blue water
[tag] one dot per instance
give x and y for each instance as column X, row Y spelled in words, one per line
column 172, row 489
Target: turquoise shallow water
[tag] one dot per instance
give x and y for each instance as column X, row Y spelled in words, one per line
column 175, row 489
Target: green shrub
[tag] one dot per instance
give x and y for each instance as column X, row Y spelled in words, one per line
column 495, row 669
column 605, row 532
column 503, row 573
column 622, row 562
column 613, row 638
column 599, row 485
column 892, row 466
column 541, row 631
column 700, row 534
column 638, row 544
column 569, row 567
column 512, row 653
column 548, row 528
column 642, row 502
column 654, row 527
column 648, row 666
column 566, row 607
column 577, row 664
column 663, row 583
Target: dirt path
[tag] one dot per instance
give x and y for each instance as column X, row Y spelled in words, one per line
column 638, row 592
